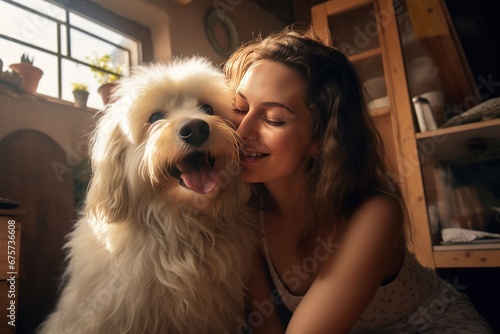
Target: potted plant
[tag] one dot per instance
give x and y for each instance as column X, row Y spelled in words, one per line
column 81, row 94
column 31, row 74
column 107, row 78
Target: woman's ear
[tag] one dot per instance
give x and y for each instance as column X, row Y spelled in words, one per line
column 108, row 197
column 315, row 150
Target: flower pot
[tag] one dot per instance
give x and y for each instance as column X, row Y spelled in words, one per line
column 31, row 76
column 81, row 97
column 106, row 91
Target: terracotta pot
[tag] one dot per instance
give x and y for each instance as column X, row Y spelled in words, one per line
column 106, row 91
column 81, row 97
column 31, row 76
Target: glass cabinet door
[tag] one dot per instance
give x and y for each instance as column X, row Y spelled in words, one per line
column 354, row 29
column 437, row 71
column 459, row 157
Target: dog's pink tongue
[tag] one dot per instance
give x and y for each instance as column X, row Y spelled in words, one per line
column 198, row 175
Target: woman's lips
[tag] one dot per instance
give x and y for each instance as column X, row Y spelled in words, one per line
column 251, row 156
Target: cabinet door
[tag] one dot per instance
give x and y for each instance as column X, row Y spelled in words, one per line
column 355, row 28
column 367, row 32
column 458, row 158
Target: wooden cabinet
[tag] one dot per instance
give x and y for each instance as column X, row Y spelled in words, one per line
column 408, row 49
column 353, row 27
column 10, row 248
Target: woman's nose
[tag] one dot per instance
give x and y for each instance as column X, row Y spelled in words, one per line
column 247, row 127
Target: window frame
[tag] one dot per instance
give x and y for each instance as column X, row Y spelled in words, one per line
column 97, row 14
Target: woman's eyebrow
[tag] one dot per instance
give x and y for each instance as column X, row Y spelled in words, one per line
column 269, row 104
column 277, row 104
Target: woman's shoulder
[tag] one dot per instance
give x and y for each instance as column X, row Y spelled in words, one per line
column 379, row 217
column 384, row 205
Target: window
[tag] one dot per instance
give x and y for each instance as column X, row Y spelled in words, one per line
column 64, row 45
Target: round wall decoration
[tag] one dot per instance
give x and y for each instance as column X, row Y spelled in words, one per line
column 221, row 32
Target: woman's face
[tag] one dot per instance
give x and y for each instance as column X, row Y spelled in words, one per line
column 274, row 122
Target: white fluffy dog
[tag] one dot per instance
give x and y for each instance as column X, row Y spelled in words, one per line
column 165, row 239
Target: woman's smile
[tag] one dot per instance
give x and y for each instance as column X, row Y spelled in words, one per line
column 249, row 157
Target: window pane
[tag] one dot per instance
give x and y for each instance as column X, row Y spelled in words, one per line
column 93, row 28
column 86, row 48
column 27, row 27
column 45, row 7
column 48, row 64
column 74, row 72
column 108, row 34
column 11, row 53
column 44, row 61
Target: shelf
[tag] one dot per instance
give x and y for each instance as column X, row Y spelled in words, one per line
column 449, row 144
column 467, row 247
column 465, row 256
column 365, row 55
column 459, row 129
column 379, row 112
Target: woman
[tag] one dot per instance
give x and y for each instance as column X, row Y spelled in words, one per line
column 333, row 257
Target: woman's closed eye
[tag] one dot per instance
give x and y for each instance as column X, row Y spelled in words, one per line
column 277, row 117
column 273, row 121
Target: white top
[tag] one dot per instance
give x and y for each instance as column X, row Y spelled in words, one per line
column 398, row 307
column 290, row 300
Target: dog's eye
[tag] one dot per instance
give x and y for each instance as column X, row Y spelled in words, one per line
column 207, row 109
column 156, row 116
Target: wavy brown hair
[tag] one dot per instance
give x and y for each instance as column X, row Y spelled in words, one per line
column 349, row 166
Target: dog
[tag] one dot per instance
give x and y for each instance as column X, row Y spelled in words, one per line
column 165, row 239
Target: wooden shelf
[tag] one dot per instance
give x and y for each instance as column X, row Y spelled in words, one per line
column 459, row 130
column 473, row 256
column 366, row 54
column 449, row 144
column 495, row 245
column 379, row 112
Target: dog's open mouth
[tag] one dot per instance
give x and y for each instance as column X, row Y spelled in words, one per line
column 196, row 172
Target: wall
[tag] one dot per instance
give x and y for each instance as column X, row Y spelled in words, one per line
column 179, row 30
column 67, row 125
column 187, row 25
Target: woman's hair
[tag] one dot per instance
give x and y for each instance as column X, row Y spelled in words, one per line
column 349, row 166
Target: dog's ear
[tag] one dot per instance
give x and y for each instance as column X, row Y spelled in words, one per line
column 107, row 197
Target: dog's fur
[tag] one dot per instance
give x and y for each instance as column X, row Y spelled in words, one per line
column 150, row 255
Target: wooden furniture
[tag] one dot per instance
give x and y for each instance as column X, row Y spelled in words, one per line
column 408, row 48
column 43, row 145
column 10, row 249
column 33, row 175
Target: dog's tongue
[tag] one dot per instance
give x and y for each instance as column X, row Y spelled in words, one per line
column 197, row 174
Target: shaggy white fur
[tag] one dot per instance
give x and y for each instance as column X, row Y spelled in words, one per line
column 165, row 239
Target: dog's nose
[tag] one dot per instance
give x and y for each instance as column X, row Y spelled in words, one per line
column 194, row 131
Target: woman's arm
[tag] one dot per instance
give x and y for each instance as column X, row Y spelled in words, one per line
column 349, row 280
column 261, row 316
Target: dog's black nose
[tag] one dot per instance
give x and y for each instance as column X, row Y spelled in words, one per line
column 194, row 131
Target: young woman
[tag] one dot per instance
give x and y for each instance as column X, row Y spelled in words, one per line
column 333, row 257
